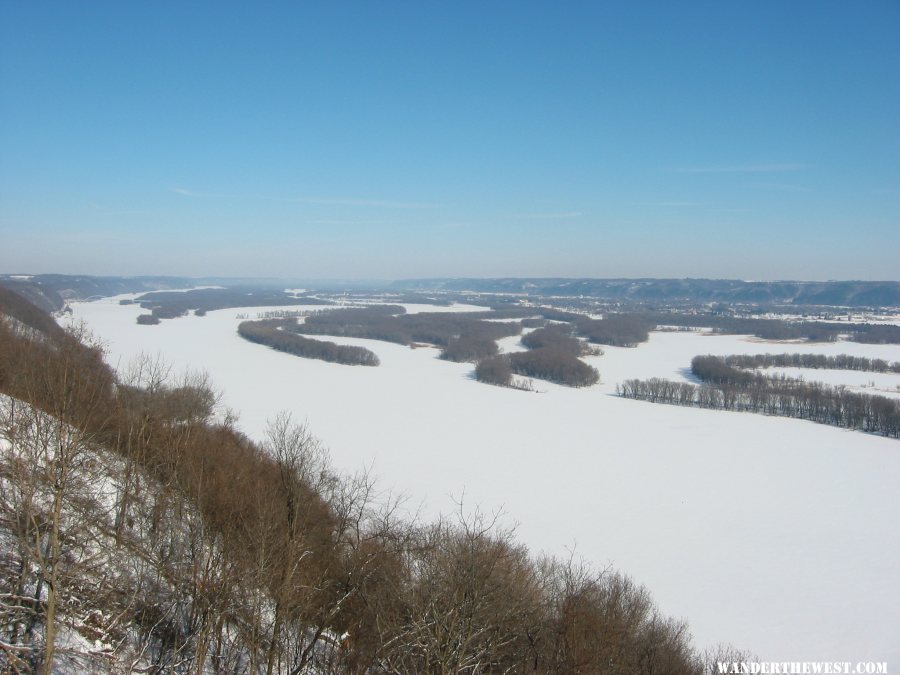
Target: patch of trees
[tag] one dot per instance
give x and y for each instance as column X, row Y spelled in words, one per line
column 470, row 347
column 471, row 336
column 17, row 307
column 626, row 330
column 553, row 355
column 729, row 388
column 555, row 365
column 769, row 329
column 502, row 311
column 534, row 322
column 558, row 337
column 873, row 333
column 553, row 314
column 473, row 339
column 377, row 322
column 777, row 329
column 816, row 361
column 462, row 336
column 714, row 370
column 270, row 332
column 494, row 370
column 167, row 311
column 172, row 304
column 134, row 514
column 148, row 319
column 622, row 330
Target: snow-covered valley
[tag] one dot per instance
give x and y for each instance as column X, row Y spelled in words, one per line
column 777, row 535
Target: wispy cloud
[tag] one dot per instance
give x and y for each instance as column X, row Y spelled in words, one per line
column 324, row 201
column 548, row 216
column 742, row 168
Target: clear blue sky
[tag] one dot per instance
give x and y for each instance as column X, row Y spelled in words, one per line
column 391, row 139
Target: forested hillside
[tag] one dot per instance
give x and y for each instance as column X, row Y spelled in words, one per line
column 826, row 293
column 51, row 291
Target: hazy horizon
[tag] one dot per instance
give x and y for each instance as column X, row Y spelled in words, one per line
column 703, row 140
column 377, row 281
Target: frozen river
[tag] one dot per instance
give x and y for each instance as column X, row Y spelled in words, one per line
column 777, row 535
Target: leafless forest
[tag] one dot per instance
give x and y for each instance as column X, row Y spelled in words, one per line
column 729, row 387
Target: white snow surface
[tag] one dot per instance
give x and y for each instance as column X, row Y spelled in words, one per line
column 175, row 290
column 419, row 308
column 876, row 384
column 777, row 535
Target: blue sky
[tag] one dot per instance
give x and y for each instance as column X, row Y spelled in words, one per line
column 389, row 139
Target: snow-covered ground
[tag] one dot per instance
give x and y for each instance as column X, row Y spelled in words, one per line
column 419, row 308
column 513, row 343
column 851, row 318
column 778, row 535
column 877, row 384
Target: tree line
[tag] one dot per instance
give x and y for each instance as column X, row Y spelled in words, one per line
column 554, row 349
column 728, row 388
column 390, row 323
column 621, row 330
column 617, row 329
column 777, row 329
column 148, row 319
column 272, row 333
column 816, row 361
column 556, row 337
column 173, row 304
column 553, row 355
column 461, row 336
column 472, row 337
column 554, row 365
column 133, row 513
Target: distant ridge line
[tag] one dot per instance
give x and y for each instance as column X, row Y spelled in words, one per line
column 50, row 291
column 879, row 294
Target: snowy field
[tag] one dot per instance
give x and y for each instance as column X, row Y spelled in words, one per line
column 876, row 384
column 414, row 307
column 778, row 535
